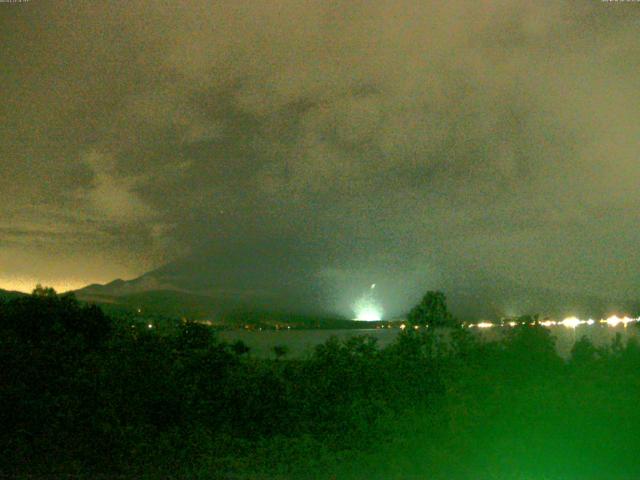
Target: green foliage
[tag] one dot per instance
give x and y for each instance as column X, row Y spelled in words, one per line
column 527, row 345
column 583, row 352
column 432, row 311
column 192, row 335
column 45, row 317
column 81, row 394
column 240, row 348
column 45, row 292
column 280, row 351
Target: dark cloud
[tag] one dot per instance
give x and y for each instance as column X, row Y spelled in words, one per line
column 393, row 142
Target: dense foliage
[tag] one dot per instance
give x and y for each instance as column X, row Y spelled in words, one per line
column 81, row 393
column 432, row 310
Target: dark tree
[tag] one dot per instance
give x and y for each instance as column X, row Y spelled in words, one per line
column 432, row 310
column 583, row 352
column 280, row 351
column 240, row 348
column 194, row 335
column 46, row 317
column 44, row 292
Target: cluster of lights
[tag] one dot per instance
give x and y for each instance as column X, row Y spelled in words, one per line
column 614, row 320
column 569, row 322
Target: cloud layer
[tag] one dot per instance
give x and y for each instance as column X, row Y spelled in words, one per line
column 412, row 141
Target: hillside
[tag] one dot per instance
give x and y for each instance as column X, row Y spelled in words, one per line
column 171, row 291
column 9, row 294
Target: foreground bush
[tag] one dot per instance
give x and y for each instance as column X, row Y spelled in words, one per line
column 83, row 394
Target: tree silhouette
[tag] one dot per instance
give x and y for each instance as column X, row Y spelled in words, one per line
column 280, row 351
column 583, row 352
column 194, row 335
column 240, row 348
column 432, row 310
column 45, row 317
column 41, row 291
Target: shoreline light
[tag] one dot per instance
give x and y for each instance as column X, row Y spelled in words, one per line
column 626, row 320
column 485, row 325
column 613, row 321
column 571, row 322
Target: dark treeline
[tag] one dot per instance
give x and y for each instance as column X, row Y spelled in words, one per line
column 84, row 394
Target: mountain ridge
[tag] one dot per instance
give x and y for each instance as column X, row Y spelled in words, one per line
column 10, row 294
column 483, row 297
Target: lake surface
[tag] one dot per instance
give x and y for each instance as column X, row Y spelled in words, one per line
column 302, row 342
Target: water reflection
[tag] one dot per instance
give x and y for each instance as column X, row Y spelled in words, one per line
column 566, row 332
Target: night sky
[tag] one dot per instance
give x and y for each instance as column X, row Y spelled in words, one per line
column 408, row 144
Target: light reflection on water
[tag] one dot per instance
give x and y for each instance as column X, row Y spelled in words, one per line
column 302, row 342
column 599, row 334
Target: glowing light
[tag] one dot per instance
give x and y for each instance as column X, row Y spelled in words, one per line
column 571, row 322
column 512, row 324
column 590, row 321
column 626, row 320
column 373, row 285
column 150, row 326
column 367, row 309
column 403, row 326
column 485, row 325
column 613, row 321
column 548, row 323
column 369, row 314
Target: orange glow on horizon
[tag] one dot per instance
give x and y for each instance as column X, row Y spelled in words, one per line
column 26, row 285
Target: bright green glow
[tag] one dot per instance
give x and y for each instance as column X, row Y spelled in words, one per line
column 369, row 314
column 367, row 308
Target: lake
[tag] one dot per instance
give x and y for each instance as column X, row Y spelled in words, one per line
column 302, row 342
